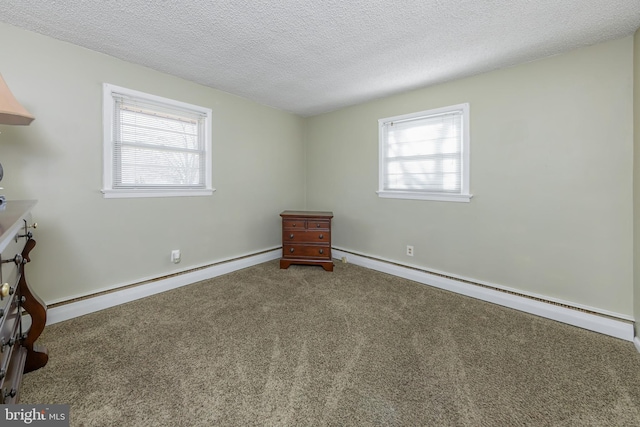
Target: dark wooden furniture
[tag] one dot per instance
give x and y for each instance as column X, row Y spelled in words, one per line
column 306, row 238
column 18, row 352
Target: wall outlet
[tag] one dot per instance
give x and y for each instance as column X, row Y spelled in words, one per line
column 175, row 256
column 409, row 250
column 344, row 259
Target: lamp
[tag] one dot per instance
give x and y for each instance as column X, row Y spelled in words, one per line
column 11, row 113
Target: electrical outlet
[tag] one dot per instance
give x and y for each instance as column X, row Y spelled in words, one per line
column 344, row 259
column 409, row 250
column 175, row 256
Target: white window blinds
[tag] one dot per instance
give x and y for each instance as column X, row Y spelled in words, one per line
column 154, row 146
column 424, row 153
column 157, row 146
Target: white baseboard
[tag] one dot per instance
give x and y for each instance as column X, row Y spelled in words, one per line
column 116, row 297
column 622, row 328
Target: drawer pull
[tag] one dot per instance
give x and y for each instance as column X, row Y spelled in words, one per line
column 28, row 235
column 294, row 224
column 17, row 260
column 291, row 236
column 6, row 344
column 321, row 236
column 291, row 250
column 317, row 225
column 321, row 251
column 5, row 290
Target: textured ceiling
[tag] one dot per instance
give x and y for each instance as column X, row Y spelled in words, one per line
column 314, row 56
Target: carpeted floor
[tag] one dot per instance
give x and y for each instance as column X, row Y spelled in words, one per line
column 304, row 347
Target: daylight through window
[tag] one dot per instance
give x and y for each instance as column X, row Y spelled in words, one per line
column 425, row 155
column 155, row 146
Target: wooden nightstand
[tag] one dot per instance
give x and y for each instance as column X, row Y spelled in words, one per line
column 306, row 238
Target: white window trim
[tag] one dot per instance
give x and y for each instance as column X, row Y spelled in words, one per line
column 464, row 195
column 425, row 196
column 107, row 170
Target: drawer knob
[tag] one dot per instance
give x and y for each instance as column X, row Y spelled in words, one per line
column 294, row 224
column 4, row 344
column 317, row 225
column 321, row 251
column 291, row 250
column 321, row 236
column 5, row 289
column 28, row 235
column 291, row 236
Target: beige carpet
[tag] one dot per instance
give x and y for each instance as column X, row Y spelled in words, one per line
column 304, row 347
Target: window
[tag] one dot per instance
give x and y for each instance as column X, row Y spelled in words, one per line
column 154, row 147
column 425, row 155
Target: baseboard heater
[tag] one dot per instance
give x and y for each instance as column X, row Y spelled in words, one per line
column 562, row 312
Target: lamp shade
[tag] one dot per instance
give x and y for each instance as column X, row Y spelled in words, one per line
column 11, row 112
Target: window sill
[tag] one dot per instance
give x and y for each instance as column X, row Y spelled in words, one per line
column 127, row 194
column 425, row 196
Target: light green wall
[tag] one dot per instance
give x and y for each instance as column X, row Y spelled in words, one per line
column 551, row 174
column 85, row 242
column 556, row 221
column 636, row 180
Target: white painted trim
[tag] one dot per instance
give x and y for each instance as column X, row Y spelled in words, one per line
column 142, row 280
column 438, row 197
column 594, row 322
column 108, row 103
column 501, row 287
column 112, row 299
column 129, row 194
column 617, row 328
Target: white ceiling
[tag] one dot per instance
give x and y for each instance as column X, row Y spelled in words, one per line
column 310, row 57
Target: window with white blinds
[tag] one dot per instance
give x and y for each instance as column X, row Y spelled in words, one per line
column 425, row 155
column 155, row 147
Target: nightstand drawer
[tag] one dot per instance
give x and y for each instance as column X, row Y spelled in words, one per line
column 10, row 255
column 9, row 311
column 8, row 336
column 316, row 224
column 306, row 251
column 5, row 302
column 306, row 224
column 293, row 224
column 10, row 384
column 306, row 236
